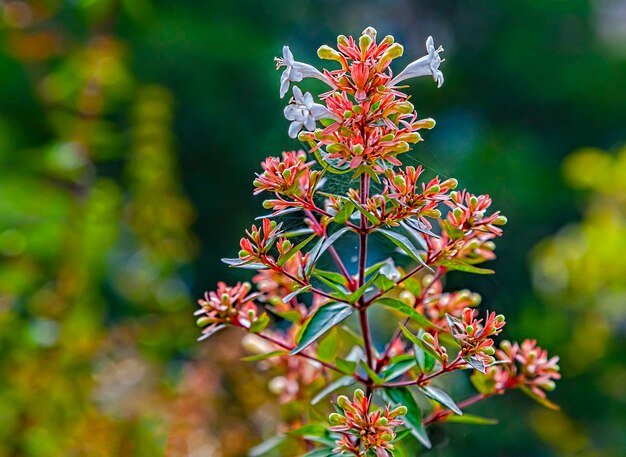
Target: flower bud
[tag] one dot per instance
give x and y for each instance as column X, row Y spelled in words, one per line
column 449, row 184
column 473, row 203
column 305, row 136
column 267, row 204
column 428, row 339
column 359, row 395
column 399, row 181
column 204, row 321
column 398, row 411
column 387, row 40
column 358, row 149
column 336, row 147
column 285, row 245
column 393, row 52
column 405, row 107
column 347, row 114
column 364, row 43
column 327, row 53
column 278, row 385
column 287, row 173
column 548, row 385
column 489, row 350
column 343, row 402
column 407, row 298
column 433, row 190
column 382, row 421
column 388, row 137
column 412, row 137
column 469, row 329
column 500, row 220
column 386, row 437
column 342, row 40
column 336, row 419
column 500, row 318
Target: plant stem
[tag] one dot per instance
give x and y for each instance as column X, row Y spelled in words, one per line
column 330, row 366
column 332, row 251
column 365, row 330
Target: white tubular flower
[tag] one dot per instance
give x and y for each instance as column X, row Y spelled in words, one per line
column 304, row 112
column 296, row 71
column 427, row 65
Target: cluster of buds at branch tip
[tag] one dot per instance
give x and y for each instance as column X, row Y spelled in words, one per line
column 367, row 120
column 364, row 430
column 227, row 306
column 523, row 365
column 474, row 336
column 259, row 241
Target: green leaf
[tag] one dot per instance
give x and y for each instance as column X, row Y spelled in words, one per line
column 357, row 294
column 332, row 276
column 294, row 249
column 327, row 347
column 483, row 383
column 344, row 213
column 371, row 373
column 453, row 232
column 405, row 244
column 407, row 310
column 425, row 360
column 541, row 400
column 323, row 320
column 259, row 325
column 330, row 388
column 414, row 286
column 287, row 298
column 413, row 419
column 454, row 264
column 327, row 452
column 347, row 366
column 393, row 370
column 268, row 355
column 471, row 419
column 369, row 216
column 292, row 315
column 322, row 246
column 441, row 397
column 372, row 268
column 266, row 446
column 417, row 341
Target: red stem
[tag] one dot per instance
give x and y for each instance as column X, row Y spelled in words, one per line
column 330, row 366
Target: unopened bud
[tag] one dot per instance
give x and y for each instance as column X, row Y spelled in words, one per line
column 433, row 190
column 364, row 43
column 386, row 437
column 548, row 385
column 500, row 220
column 500, row 318
column 342, row 40
column 469, row 329
column 458, row 213
column 328, row 53
column 336, row 147
column 336, row 419
column 359, row 395
column 387, row 40
column 399, row 181
column 204, row 321
column 407, row 298
column 267, row 204
column 449, row 184
column 388, row 137
column 343, row 401
column 393, row 52
column 473, row 202
column 278, row 385
column 398, row 411
column 347, row 114
column 405, row 107
column 287, row 173
column 358, row 149
column 286, row 245
column 412, row 137
column 489, row 350
column 428, row 339
column 382, row 421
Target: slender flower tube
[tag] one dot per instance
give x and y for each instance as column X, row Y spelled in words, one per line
column 304, row 112
column 427, row 65
column 296, row 71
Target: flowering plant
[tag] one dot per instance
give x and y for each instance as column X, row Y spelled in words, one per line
column 358, row 131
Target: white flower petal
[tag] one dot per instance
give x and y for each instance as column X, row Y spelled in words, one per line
column 309, row 123
column 319, row 111
column 294, row 128
column 297, row 95
column 287, row 56
column 284, row 86
column 308, row 100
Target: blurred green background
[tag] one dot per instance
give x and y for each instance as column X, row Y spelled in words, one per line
column 130, row 131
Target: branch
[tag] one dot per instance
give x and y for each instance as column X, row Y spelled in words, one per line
column 442, row 414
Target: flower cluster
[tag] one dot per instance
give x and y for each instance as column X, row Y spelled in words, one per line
column 227, row 306
column 381, row 124
column 524, row 365
column 311, row 281
column 474, row 336
column 364, row 430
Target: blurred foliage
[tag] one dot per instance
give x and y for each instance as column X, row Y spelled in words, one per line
column 129, row 130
